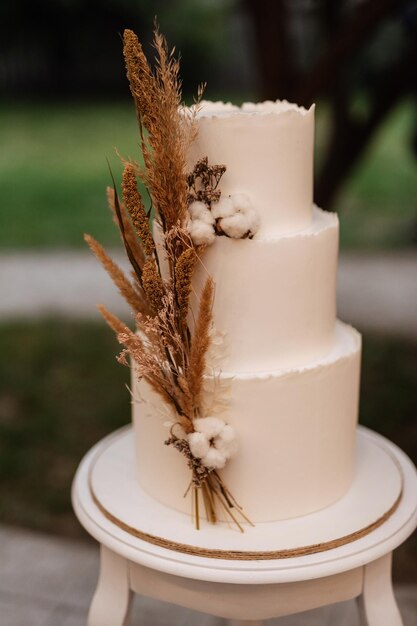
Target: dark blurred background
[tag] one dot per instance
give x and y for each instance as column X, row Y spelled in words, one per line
column 64, row 108
column 65, row 101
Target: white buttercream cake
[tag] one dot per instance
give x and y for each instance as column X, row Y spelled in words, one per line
column 290, row 367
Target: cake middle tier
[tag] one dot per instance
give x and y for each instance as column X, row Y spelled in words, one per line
column 275, row 299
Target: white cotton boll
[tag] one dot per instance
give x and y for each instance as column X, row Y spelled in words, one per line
column 213, row 441
column 241, row 202
column 200, row 212
column 253, row 221
column 223, row 208
column 197, row 209
column 210, row 426
column 227, row 433
column 226, row 441
column 243, row 221
column 236, row 226
column 199, row 444
column 214, row 459
column 227, row 448
column 202, row 234
column 207, row 217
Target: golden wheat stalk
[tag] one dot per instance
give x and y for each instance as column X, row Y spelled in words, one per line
column 136, row 209
column 153, row 286
column 140, row 78
column 129, row 232
column 184, row 270
column 200, row 343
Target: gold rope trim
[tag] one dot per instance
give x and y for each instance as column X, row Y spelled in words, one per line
column 243, row 555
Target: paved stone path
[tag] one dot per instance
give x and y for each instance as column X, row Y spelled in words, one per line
column 375, row 291
column 48, row 581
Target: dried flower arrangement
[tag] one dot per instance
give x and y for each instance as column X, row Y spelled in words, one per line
column 211, row 213
column 163, row 350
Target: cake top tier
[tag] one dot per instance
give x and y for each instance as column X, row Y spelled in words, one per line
column 267, row 148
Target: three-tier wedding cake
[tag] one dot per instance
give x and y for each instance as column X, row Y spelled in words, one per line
column 244, row 384
column 289, row 370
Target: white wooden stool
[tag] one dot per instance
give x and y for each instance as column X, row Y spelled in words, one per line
column 111, row 507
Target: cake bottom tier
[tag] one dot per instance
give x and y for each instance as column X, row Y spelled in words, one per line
column 296, row 434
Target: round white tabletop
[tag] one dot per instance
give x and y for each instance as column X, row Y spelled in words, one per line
column 390, row 465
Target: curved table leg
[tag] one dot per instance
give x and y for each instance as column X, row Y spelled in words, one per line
column 377, row 603
column 111, row 602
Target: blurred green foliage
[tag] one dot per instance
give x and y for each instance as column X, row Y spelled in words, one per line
column 377, row 204
column 61, row 390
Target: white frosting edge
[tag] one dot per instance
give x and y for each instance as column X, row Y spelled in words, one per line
column 220, row 109
column 321, row 221
column 347, row 343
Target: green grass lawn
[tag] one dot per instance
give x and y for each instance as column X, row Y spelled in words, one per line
column 53, row 171
column 53, row 175
column 61, row 390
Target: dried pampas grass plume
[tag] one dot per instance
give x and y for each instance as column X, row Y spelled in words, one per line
column 126, row 289
column 157, row 97
column 115, row 324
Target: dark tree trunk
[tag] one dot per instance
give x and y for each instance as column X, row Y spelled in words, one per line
column 349, row 137
column 342, row 45
column 273, row 44
column 327, row 77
